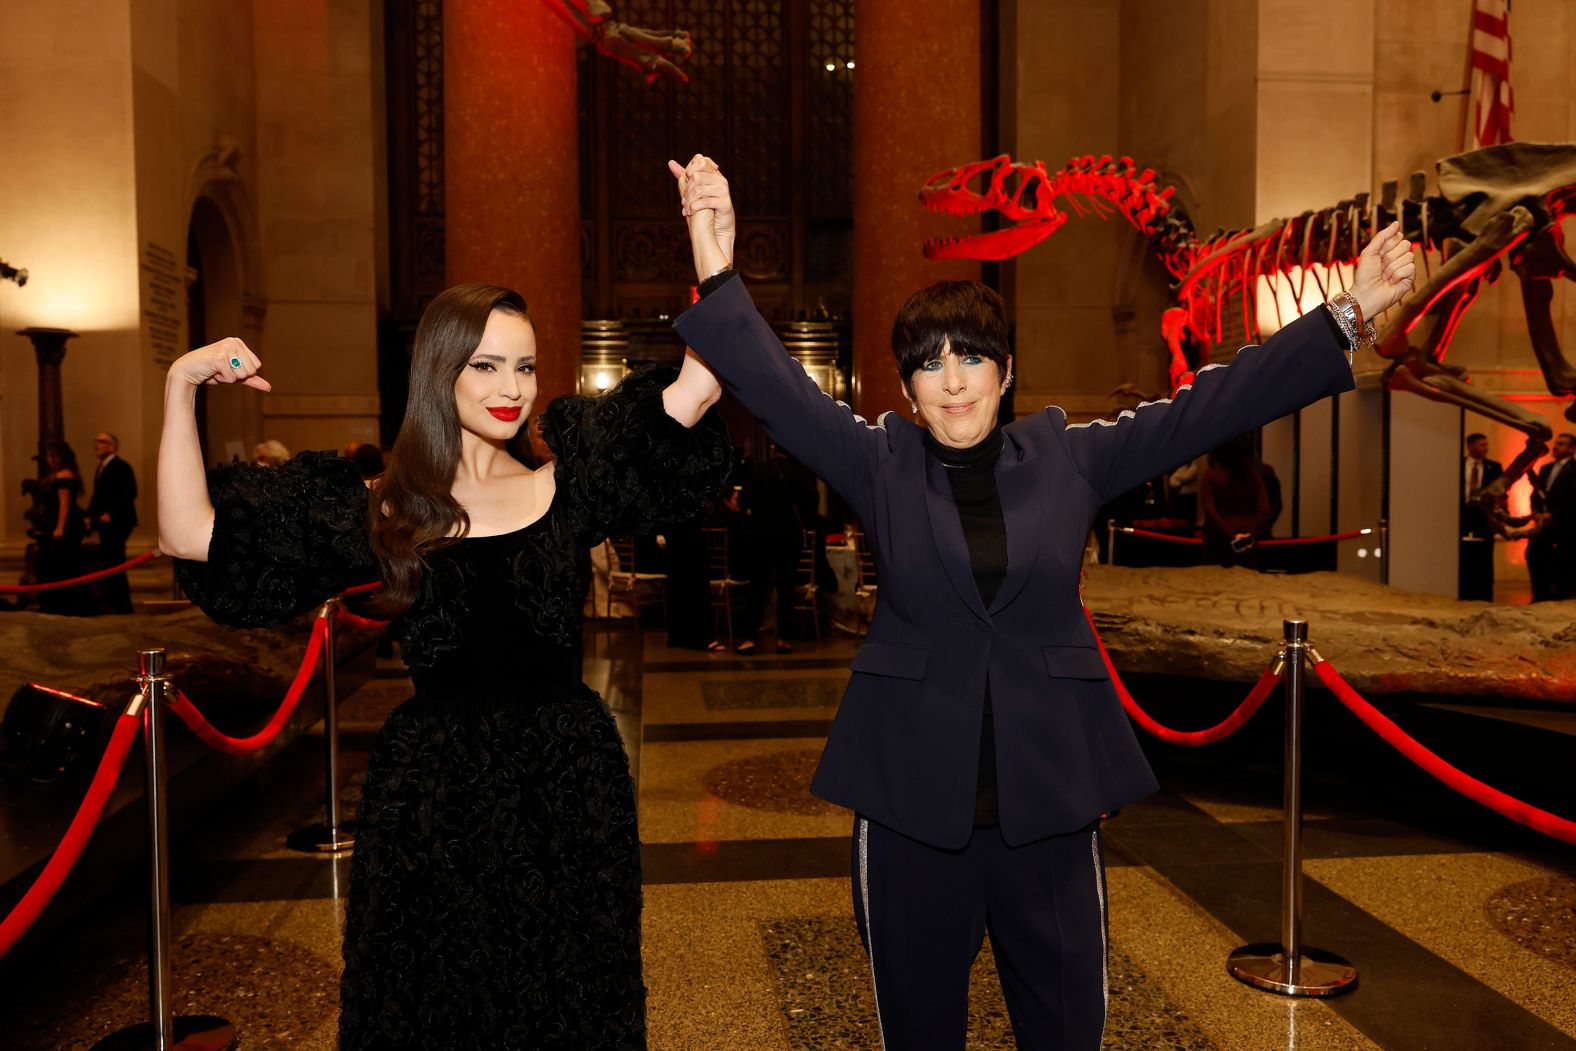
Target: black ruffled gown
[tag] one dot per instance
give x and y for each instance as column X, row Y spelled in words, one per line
column 495, row 886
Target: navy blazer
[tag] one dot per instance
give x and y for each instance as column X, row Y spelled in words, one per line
column 904, row 748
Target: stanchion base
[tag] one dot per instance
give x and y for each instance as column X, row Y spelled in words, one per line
column 1319, row 973
column 192, row 1033
column 317, row 839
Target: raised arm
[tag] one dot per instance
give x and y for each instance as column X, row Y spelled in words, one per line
column 185, row 512
column 726, row 330
column 1307, row 360
column 696, row 388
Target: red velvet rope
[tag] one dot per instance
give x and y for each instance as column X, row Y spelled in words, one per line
column 213, row 738
column 1230, row 725
column 1281, row 542
column 1288, row 540
column 61, row 862
column 1471, row 787
column 29, row 589
column 363, row 623
column 1151, row 534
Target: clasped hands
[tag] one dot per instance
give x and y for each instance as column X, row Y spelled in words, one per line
column 708, row 208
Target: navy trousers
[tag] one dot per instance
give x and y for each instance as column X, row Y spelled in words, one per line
column 923, row 913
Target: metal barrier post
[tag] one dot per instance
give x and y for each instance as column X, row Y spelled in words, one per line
column 165, row 1031
column 335, row 835
column 1384, row 551
column 1110, row 541
column 1289, row 967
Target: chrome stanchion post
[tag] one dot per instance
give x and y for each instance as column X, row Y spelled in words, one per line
column 1110, row 541
column 335, row 835
column 164, row 1031
column 1290, row 967
column 1384, row 551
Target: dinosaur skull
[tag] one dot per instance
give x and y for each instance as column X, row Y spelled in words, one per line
column 1020, row 193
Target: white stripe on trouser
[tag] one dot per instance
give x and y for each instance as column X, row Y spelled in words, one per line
column 1105, row 950
column 870, row 927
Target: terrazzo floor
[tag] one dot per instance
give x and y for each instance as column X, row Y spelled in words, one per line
column 1464, row 938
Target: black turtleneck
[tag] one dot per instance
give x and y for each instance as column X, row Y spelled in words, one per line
column 972, row 475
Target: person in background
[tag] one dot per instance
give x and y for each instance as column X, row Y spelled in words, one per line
column 1475, row 580
column 271, row 453
column 779, row 500
column 59, row 533
column 1182, row 490
column 1236, row 504
column 1272, row 492
column 112, row 514
column 1551, row 553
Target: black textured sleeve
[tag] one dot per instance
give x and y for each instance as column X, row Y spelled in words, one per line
column 625, row 466
column 284, row 539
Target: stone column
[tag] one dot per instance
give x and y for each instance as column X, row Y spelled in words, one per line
column 49, row 346
column 916, row 111
column 511, row 165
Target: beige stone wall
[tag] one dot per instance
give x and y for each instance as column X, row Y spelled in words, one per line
column 258, row 119
column 315, row 115
column 67, row 214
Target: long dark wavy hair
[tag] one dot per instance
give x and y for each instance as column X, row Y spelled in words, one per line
column 412, row 510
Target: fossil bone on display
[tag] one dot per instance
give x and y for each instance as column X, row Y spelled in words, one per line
column 1496, row 207
column 654, row 52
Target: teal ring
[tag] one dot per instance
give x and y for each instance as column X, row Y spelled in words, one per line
column 235, row 363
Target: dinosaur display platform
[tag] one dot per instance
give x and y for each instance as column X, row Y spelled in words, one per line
column 1226, row 624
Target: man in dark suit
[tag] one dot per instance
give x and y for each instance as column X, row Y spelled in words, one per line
column 1475, row 581
column 1551, row 554
column 112, row 510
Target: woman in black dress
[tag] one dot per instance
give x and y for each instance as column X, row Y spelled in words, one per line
column 60, row 530
column 495, row 887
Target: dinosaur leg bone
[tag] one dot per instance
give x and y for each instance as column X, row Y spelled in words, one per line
column 1541, row 260
column 1418, row 375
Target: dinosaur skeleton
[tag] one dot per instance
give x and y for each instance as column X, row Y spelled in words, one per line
column 652, row 52
column 1496, row 206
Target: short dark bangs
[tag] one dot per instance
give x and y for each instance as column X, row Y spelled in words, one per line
column 968, row 315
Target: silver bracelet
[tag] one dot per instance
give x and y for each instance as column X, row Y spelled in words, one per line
column 723, row 269
column 1359, row 331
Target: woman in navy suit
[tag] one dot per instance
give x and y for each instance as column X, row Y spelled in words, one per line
column 980, row 740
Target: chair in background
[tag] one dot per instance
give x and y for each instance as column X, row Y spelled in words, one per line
column 806, row 591
column 867, row 565
column 624, row 579
column 725, row 590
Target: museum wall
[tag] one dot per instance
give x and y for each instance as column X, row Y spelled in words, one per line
column 68, row 215
column 318, row 111
column 248, row 128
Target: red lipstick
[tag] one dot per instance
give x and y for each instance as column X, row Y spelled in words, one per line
column 507, row 415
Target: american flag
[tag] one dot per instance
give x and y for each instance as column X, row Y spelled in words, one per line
column 1491, row 103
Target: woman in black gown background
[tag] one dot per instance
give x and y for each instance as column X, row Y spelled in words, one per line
column 60, row 530
column 495, row 886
